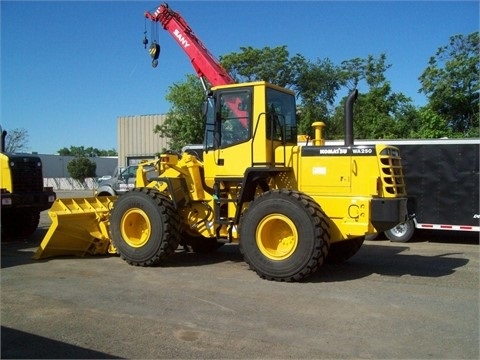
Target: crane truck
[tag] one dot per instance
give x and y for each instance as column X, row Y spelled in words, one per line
column 290, row 208
column 22, row 193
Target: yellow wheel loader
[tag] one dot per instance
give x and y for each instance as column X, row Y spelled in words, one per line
column 290, row 208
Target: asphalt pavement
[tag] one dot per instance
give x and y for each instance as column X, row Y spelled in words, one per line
column 417, row 300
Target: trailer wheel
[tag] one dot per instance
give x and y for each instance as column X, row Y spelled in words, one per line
column 401, row 232
column 144, row 227
column 284, row 235
column 343, row 250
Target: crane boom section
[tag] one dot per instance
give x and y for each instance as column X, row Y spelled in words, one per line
column 205, row 64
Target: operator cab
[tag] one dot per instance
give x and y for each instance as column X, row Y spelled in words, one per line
column 244, row 125
column 258, row 113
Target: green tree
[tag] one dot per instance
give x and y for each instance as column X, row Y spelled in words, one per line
column 81, row 168
column 451, row 84
column 16, row 140
column 431, row 125
column 272, row 65
column 316, row 85
column 87, row 152
column 379, row 112
column 184, row 124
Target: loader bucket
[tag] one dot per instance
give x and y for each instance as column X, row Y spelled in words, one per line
column 79, row 227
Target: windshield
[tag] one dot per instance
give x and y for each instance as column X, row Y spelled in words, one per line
column 228, row 118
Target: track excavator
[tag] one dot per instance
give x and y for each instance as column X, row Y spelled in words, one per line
column 289, row 208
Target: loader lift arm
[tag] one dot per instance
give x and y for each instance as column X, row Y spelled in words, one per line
column 205, row 64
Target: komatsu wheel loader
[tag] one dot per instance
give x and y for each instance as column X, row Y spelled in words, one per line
column 290, row 208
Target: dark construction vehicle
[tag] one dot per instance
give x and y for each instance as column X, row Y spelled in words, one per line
column 22, row 193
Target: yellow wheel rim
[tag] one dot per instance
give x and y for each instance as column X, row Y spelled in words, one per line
column 277, row 237
column 135, row 228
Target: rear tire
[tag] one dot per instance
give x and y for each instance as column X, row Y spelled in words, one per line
column 144, row 227
column 284, row 235
column 401, row 232
column 343, row 250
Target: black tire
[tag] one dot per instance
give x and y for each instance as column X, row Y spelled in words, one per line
column 201, row 244
column 343, row 250
column 401, row 232
column 144, row 227
column 284, row 235
column 19, row 223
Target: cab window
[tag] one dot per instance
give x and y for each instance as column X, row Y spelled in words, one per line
column 234, row 117
column 281, row 116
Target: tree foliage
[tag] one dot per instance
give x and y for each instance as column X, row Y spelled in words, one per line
column 81, row 168
column 183, row 124
column 86, row 152
column 316, row 85
column 272, row 65
column 450, row 82
column 379, row 112
column 16, row 140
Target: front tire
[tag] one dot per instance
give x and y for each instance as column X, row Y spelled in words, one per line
column 144, row 227
column 284, row 235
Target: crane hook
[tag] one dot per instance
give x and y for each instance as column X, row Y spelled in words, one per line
column 154, row 51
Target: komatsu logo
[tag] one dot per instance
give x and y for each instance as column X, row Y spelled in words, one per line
column 337, row 151
column 181, row 39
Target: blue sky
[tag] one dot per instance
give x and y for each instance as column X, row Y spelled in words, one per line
column 70, row 68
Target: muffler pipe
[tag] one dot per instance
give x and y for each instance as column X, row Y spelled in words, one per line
column 349, row 117
column 3, row 144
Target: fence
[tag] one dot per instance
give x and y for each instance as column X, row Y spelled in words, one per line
column 64, row 183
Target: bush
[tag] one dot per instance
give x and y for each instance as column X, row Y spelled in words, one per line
column 82, row 168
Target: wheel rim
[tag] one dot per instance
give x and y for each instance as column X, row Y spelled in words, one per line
column 277, row 237
column 135, row 227
column 399, row 230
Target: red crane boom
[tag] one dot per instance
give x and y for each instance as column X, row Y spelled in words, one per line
column 204, row 63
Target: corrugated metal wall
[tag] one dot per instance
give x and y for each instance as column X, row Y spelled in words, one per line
column 136, row 138
column 55, row 166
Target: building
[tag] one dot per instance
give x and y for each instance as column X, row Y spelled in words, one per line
column 56, row 175
column 136, row 139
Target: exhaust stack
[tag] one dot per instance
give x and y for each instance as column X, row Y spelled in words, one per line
column 349, row 117
column 3, row 145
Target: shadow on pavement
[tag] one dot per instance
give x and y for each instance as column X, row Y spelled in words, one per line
column 18, row 344
column 394, row 261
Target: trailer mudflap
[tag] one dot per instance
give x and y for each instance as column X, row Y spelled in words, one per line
column 79, row 227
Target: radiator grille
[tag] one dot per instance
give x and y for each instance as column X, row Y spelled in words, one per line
column 393, row 182
column 26, row 174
